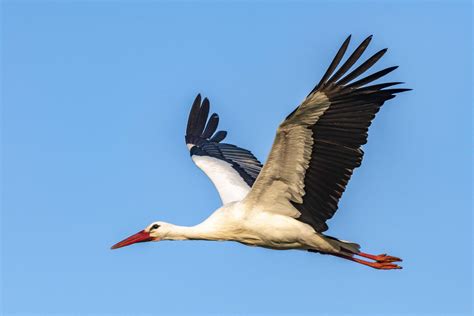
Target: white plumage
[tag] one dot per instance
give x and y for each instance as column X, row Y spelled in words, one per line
column 229, row 184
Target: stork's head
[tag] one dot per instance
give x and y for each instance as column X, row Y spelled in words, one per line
column 153, row 232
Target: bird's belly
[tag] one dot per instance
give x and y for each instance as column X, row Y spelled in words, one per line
column 284, row 245
column 274, row 231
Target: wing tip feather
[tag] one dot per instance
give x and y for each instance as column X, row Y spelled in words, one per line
column 200, row 124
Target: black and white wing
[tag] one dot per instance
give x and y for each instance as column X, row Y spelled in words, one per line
column 317, row 147
column 232, row 169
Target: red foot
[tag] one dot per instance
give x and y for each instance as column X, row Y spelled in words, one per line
column 378, row 265
column 382, row 262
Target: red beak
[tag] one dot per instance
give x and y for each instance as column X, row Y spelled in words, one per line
column 141, row 236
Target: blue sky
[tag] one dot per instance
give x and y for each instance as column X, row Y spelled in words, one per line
column 95, row 97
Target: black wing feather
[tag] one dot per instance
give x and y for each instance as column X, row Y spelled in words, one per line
column 335, row 62
column 341, row 131
column 211, row 126
column 350, row 61
column 218, row 137
column 193, row 115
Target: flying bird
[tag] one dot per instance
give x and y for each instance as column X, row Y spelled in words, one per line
column 285, row 203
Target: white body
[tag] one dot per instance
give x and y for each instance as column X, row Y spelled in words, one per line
column 237, row 222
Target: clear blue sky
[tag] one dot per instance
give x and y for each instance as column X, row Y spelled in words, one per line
column 95, row 98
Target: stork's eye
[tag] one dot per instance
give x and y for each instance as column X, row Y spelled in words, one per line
column 155, row 226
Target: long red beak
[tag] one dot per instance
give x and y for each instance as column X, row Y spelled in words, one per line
column 141, row 236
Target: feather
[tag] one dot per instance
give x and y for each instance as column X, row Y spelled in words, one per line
column 351, row 60
column 335, row 62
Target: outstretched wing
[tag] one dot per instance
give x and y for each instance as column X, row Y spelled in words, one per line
column 232, row 169
column 318, row 145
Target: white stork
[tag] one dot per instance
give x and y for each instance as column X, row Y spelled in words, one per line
column 285, row 203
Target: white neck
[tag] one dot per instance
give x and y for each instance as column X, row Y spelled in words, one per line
column 198, row 232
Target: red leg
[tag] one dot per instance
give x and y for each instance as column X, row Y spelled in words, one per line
column 379, row 258
column 382, row 265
